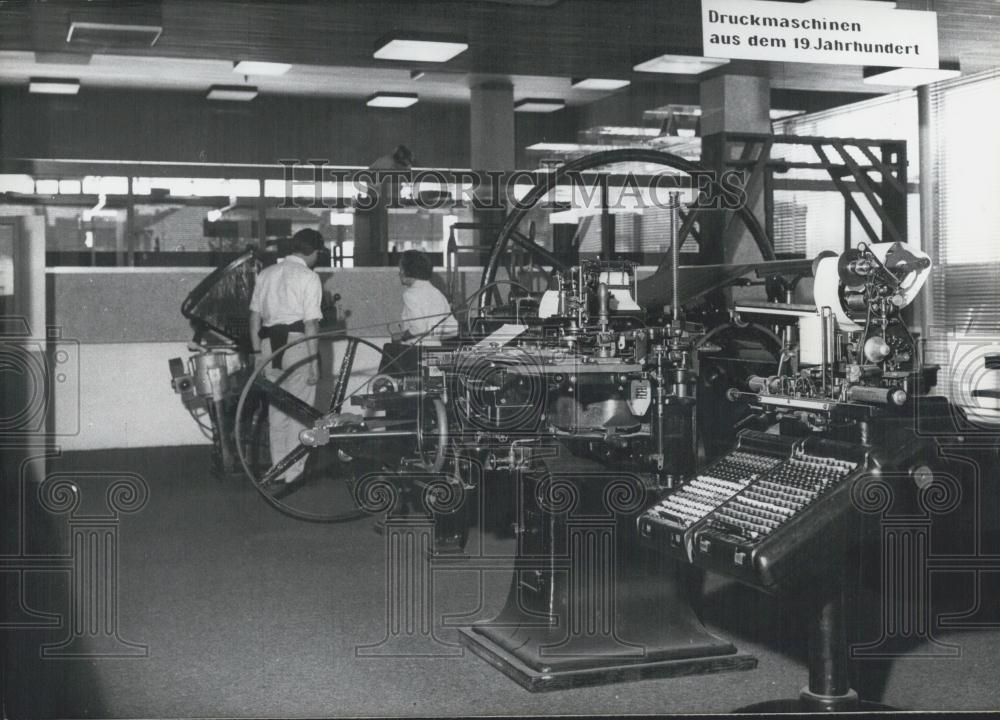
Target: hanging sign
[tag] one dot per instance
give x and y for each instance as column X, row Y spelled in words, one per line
column 849, row 33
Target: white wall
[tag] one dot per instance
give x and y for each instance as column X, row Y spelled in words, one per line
column 118, row 395
column 123, row 325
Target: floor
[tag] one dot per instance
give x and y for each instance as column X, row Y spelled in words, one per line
column 245, row 612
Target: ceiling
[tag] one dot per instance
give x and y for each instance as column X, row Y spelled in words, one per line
column 538, row 44
column 164, row 73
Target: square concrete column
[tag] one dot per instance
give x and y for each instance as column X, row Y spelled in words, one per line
column 731, row 103
column 735, row 103
column 491, row 124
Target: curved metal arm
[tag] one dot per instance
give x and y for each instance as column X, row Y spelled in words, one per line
column 609, row 157
column 534, row 248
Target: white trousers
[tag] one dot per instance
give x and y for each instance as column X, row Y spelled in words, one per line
column 292, row 377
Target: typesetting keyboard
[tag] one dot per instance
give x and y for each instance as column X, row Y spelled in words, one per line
column 750, row 513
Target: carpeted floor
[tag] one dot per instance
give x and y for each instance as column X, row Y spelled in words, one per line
column 248, row 613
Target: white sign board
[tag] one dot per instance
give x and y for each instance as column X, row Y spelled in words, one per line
column 835, row 33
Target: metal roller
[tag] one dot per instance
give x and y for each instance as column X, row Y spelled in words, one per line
column 882, row 396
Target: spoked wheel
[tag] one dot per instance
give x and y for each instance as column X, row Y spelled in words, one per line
column 253, row 433
column 513, row 233
column 342, row 444
column 528, row 270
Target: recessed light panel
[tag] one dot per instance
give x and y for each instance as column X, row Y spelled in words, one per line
column 54, row 86
column 679, row 64
column 418, row 48
column 43, row 57
column 777, row 114
column 624, row 131
column 553, row 147
column 392, row 100
column 113, row 33
column 910, row 77
column 239, row 93
column 257, row 67
column 600, row 84
column 539, row 105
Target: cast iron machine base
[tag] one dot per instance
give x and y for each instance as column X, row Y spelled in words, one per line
column 586, row 604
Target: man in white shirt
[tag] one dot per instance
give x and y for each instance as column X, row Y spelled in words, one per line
column 426, row 314
column 285, row 307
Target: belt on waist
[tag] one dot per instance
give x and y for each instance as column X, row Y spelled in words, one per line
column 278, row 335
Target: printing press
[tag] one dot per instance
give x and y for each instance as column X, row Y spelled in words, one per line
column 643, row 442
column 593, row 414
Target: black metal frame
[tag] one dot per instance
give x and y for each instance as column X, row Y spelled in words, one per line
column 886, row 195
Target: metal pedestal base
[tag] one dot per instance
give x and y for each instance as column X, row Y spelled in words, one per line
column 829, row 687
column 809, row 702
column 799, row 707
column 585, row 604
column 567, row 628
column 540, row 680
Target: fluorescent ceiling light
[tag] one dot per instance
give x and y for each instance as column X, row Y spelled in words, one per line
column 342, row 219
column 418, row 47
column 911, row 77
column 600, row 84
column 232, row 92
column 566, row 147
column 539, row 105
column 61, row 58
column 624, row 131
column 257, row 67
column 667, row 110
column 392, row 100
column 679, row 64
column 54, row 86
column 113, row 33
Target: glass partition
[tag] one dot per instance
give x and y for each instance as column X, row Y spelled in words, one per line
column 162, row 215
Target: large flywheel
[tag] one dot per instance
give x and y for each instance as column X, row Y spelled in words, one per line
column 347, row 447
column 516, row 233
